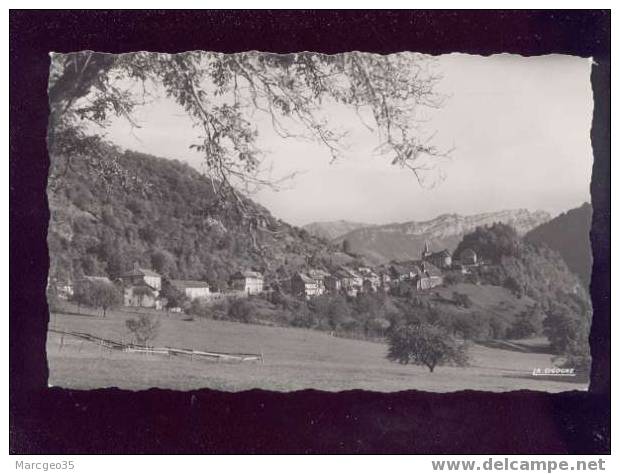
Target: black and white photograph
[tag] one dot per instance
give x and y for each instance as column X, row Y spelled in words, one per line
column 309, row 221
column 309, row 232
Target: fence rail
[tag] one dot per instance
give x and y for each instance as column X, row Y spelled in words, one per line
column 168, row 351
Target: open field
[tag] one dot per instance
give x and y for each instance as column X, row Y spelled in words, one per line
column 294, row 359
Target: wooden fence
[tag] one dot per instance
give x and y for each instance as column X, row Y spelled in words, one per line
column 167, row 351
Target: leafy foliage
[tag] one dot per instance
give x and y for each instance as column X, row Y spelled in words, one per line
column 220, row 92
column 425, row 344
column 240, row 309
column 346, row 246
column 491, row 243
column 527, row 323
column 144, row 328
column 178, row 227
column 97, row 294
column 524, row 268
column 461, row 299
column 535, row 270
column 453, row 278
column 568, row 334
column 569, row 235
column 173, row 297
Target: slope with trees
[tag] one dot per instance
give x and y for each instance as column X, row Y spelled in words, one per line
column 535, row 271
column 112, row 208
column 176, row 225
column 569, row 235
column 98, row 294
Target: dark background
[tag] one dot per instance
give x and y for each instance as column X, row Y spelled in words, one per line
column 44, row 420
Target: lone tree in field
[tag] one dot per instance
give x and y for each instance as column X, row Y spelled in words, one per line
column 144, row 329
column 425, row 344
column 98, row 294
column 224, row 94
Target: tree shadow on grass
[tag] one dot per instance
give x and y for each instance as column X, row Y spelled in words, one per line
column 515, row 346
column 76, row 313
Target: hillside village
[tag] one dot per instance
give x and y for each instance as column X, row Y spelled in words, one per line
column 143, row 287
column 175, row 247
column 159, row 266
column 174, row 253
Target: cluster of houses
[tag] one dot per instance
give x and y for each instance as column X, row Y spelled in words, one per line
column 422, row 274
column 142, row 287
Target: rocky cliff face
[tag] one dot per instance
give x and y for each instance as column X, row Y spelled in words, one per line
column 331, row 230
column 405, row 240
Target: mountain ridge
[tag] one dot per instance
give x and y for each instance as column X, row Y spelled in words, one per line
column 182, row 230
column 331, row 230
column 405, row 240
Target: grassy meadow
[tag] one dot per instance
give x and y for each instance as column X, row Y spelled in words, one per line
column 485, row 299
column 294, row 359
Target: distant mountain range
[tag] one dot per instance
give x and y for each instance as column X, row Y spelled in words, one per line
column 331, row 230
column 181, row 229
column 569, row 235
column 403, row 241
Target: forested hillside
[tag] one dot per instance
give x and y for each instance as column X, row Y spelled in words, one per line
column 569, row 234
column 173, row 222
column 166, row 216
column 527, row 268
column 538, row 272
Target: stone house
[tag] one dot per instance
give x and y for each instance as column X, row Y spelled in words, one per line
column 403, row 271
column 141, row 288
column 333, row 281
column 319, row 277
column 371, row 280
column 429, row 277
column 192, row 289
column 248, row 282
column 303, row 285
column 351, row 281
column 422, row 275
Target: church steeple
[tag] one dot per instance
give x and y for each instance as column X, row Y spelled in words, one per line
column 427, row 250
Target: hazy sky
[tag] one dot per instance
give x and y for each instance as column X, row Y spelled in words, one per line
column 520, row 128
